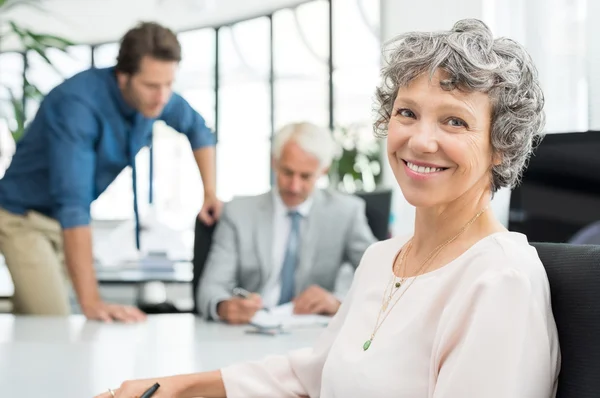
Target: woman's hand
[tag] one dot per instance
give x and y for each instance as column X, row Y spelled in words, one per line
column 206, row 384
column 170, row 387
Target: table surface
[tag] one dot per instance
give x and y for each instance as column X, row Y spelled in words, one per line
column 181, row 273
column 73, row 358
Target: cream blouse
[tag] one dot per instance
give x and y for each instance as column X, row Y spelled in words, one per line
column 481, row 327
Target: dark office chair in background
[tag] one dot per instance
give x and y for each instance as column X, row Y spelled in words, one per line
column 378, row 205
column 574, row 275
column 202, row 241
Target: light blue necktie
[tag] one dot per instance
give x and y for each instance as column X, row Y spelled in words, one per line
column 288, row 270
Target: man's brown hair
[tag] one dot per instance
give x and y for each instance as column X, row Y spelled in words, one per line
column 147, row 39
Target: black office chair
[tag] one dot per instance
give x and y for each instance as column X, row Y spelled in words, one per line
column 378, row 206
column 202, row 241
column 574, row 275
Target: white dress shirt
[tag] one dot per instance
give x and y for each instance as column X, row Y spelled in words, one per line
column 282, row 226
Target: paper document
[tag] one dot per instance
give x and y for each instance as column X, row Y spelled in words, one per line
column 283, row 316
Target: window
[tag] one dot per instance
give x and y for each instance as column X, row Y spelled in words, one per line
column 301, row 65
column 12, row 75
column 356, row 60
column 105, row 55
column 11, row 85
column 243, row 162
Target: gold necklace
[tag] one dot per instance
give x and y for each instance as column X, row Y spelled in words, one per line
column 434, row 253
column 394, row 286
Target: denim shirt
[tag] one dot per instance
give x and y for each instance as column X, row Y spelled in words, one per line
column 83, row 135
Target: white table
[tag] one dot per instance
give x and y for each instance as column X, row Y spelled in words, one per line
column 74, row 358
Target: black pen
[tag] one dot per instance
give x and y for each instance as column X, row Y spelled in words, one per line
column 150, row 392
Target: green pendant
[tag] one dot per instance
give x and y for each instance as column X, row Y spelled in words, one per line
column 398, row 284
column 367, row 345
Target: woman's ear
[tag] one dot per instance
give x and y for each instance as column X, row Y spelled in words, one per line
column 496, row 159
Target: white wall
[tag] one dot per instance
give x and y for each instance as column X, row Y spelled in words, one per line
column 557, row 35
column 593, row 62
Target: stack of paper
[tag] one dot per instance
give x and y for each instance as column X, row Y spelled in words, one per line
column 283, row 317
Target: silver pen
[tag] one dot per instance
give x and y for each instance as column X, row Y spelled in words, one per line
column 240, row 292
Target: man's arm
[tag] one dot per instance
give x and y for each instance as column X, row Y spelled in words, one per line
column 205, row 159
column 72, row 133
column 79, row 261
column 182, row 117
column 220, row 277
column 212, row 206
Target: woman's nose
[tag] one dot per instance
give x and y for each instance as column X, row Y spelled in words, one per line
column 423, row 138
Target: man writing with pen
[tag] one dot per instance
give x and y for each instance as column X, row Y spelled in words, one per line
column 286, row 245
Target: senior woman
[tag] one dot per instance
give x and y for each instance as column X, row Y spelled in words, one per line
column 461, row 308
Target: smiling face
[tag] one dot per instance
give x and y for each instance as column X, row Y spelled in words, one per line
column 439, row 142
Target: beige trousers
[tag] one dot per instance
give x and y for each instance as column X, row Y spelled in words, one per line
column 32, row 246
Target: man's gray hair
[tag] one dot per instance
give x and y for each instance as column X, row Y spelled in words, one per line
column 314, row 140
column 472, row 60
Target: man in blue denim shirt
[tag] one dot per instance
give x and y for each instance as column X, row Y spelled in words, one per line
column 86, row 131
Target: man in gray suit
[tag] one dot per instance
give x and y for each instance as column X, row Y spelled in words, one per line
column 287, row 244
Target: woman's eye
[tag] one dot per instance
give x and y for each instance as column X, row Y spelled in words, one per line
column 405, row 113
column 456, row 122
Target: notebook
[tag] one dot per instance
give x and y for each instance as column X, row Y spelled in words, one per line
column 283, row 317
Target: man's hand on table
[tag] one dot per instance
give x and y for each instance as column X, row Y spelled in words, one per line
column 316, row 300
column 106, row 312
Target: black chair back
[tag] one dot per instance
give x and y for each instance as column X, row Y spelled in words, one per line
column 574, row 275
column 378, row 205
column 202, row 241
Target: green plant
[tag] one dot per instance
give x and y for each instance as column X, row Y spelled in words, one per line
column 358, row 164
column 29, row 42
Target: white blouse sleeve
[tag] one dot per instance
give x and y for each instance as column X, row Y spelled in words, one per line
column 297, row 374
column 498, row 342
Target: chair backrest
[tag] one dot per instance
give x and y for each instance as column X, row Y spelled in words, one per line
column 378, row 205
column 574, row 275
column 202, row 242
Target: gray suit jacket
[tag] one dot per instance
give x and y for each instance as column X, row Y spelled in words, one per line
column 336, row 232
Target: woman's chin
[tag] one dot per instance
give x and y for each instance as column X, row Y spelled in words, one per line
column 421, row 198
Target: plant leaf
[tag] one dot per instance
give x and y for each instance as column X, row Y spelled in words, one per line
column 51, row 41
column 42, row 53
column 32, row 91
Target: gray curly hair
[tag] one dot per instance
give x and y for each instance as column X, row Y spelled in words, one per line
column 473, row 61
